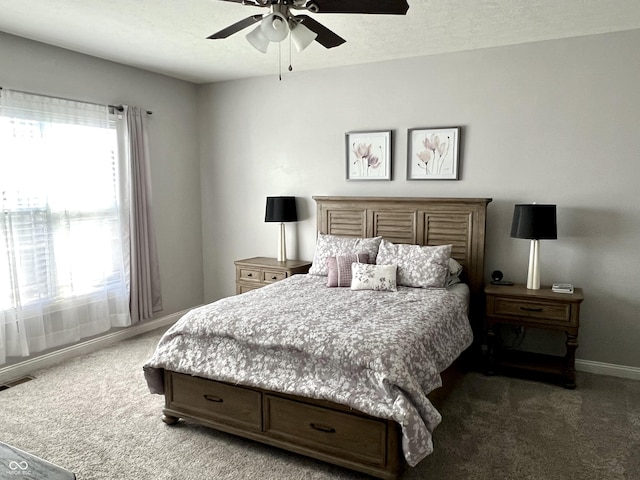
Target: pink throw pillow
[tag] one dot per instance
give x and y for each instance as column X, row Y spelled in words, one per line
column 340, row 268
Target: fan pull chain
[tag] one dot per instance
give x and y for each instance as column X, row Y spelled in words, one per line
column 280, row 60
column 290, row 62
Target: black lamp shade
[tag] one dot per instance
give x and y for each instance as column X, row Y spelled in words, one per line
column 281, row 209
column 534, row 221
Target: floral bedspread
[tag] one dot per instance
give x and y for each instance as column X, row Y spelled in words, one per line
column 377, row 352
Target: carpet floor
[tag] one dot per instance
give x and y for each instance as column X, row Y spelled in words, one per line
column 94, row 416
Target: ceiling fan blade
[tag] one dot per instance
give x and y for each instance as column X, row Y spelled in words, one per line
column 236, row 27
column 245, row 2
column 385, row 7
column 325, row 37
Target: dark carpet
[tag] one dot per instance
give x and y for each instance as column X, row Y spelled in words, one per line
column 94, row 416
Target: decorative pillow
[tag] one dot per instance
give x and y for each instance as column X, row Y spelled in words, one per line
column 340, row 268
column 374, row 277
column 417, row 266
column 334, row 245
column 455, row 269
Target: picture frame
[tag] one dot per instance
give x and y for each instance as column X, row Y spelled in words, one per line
column 433, row 153
column 368, row 155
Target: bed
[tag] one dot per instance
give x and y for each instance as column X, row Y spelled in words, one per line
column 335, row 395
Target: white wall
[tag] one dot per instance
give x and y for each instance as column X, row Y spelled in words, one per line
column 553, row 122
column 39, row 68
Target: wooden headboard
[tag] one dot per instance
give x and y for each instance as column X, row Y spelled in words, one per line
column 421, row 221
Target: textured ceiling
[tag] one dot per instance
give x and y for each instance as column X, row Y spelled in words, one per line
column 169, row 36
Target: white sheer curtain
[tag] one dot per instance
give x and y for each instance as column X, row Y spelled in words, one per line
column 63, row 273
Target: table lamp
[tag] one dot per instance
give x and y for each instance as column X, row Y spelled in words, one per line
column 535, row 222
column 281, row 209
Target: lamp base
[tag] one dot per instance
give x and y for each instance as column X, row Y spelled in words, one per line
column 533, row 275
column 282, row 245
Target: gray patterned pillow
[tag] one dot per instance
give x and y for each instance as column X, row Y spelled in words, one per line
column 417, row 266
column 334, row 245
column 373, row 277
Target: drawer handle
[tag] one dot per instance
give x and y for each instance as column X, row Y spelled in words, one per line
column 531, row 309
column 322, row 428
column 273, row 277
column 249, row 274
column 213, row 398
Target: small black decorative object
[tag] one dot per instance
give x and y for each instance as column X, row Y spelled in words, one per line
column 496, row 278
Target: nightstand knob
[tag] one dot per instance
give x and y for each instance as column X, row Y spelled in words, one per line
column 273, row 277
column 249, row 274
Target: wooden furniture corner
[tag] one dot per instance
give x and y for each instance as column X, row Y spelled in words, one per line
column 256, row 272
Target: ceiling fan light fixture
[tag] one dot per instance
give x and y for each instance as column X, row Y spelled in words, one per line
column 258, row 40
column 302, row 37
column 274, row 26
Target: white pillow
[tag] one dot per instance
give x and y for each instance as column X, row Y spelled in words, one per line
column 334, row 246
column 373, row 277
column 455, row 269
column 424, row 267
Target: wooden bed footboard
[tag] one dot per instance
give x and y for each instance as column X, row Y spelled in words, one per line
column 320, row 429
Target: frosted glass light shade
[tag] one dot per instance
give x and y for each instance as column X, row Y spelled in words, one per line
column 258, row 40
column 302, row 37
column 275, row 27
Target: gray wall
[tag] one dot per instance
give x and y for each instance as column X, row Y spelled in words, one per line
column 38, row 68
column 552, row 122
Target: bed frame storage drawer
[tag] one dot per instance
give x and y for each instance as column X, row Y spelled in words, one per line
column 337, row 433
column 217, row 401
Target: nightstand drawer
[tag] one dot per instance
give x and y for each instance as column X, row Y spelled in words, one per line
column 542, row 309
column 249, row 274
column 269, row 276
column 256, row 272
column 244, row 288
column 553, row 312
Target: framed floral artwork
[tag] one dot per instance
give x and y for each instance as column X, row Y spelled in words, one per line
column 369, row 155
column 433, row 153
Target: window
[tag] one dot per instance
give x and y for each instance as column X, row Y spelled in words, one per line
column 62, row 267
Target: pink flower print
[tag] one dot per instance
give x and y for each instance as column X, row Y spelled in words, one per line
column 365, row 159
column 431, row 143
column 362, row 150
column 424, row 157
column 433, row 156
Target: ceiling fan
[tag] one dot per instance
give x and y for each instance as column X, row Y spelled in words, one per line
column 280, row 22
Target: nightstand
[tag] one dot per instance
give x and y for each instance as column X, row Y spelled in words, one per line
column 543, row 309
column 256, row 272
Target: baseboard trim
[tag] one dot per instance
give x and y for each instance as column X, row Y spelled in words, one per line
column 610, row 369
column 29, row 366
